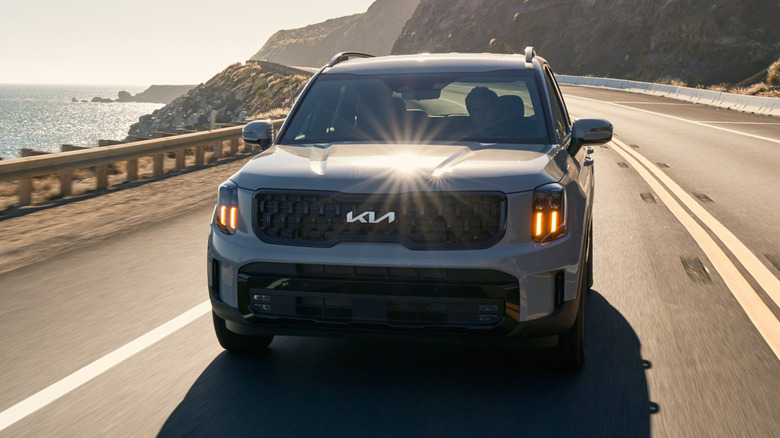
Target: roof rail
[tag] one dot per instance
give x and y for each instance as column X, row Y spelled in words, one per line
column 343, row 56
column 530, row 54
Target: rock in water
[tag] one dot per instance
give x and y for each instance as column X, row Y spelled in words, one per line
column 124, row 96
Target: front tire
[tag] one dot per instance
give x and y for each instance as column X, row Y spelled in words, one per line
column 590, row 258
column 238, row 343
column 571, row 344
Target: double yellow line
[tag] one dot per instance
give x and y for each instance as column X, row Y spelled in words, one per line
column 670, row 192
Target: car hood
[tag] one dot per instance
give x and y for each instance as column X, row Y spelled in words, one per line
column 374, row 168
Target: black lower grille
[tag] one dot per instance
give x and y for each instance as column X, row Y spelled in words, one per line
column 417, row 220
column 415, row 297
column 418, row 311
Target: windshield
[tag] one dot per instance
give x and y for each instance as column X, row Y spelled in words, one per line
column 491, row 107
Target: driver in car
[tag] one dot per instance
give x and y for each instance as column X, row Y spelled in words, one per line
column 483, row 106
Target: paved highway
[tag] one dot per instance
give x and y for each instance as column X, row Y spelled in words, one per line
column 113, row 339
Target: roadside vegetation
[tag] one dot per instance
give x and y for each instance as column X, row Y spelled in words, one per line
column 765, row 85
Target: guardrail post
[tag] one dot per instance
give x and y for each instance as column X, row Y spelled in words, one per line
column 132, row 169
column 180, row 159
column 66, row 182
column 234, row 146
column 101, row 173
column 25, row 185
column 158, row 164
column 25, row 191
column 200, row 153
column 217, row 150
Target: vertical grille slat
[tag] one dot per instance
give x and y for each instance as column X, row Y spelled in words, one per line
column 446, row 220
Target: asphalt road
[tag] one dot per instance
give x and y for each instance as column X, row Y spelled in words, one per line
column 672, row 350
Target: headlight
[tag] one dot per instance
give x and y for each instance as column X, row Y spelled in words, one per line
column 549, row 213
column 227, row 208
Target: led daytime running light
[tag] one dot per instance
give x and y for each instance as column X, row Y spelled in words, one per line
column 227, row 208
column 549, row 214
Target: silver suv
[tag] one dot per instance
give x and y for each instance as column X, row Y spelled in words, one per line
column 442, row 197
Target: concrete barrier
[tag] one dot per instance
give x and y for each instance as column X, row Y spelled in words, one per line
column 769, row 106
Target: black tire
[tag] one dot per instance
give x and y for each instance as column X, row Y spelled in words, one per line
column 589, row 265
column 571, row 345
column 237, row 343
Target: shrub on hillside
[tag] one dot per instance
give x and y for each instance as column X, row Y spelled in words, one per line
column 773, row 74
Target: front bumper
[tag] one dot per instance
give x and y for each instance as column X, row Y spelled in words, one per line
column 541, row 333
column 423, row 297
column 513, row 290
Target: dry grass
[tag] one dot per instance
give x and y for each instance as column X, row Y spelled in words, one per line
column 773, row 74
column 720, row 88
column 672, row 82
column 277, row 113
column 752, row 90
column 762, row 90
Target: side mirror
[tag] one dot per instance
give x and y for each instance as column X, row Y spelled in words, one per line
column 589, row 131
column 259, row 132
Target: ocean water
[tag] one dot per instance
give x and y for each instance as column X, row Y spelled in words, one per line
column 42, row 117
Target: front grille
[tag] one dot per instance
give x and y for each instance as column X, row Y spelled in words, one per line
column 420, row 220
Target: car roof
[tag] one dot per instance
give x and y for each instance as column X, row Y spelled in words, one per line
column 427, row 62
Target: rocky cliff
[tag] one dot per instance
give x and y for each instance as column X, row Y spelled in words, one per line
column 697, row 41
column 373, row 32
column 239, row 93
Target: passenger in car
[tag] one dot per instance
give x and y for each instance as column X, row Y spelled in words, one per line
column 512, row 117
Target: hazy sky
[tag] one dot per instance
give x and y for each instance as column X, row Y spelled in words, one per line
column 144, row 42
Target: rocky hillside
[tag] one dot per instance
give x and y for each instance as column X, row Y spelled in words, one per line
column 372, row 32
column 238, row 93
column 696, row 41
column 296, row 47
column 699, row 42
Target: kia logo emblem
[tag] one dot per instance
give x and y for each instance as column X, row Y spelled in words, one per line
column 369, row 217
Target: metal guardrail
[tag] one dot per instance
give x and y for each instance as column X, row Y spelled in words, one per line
column 64, row 163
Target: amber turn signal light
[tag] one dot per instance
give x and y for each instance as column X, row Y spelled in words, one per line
column 549, row 213
column 227, row 208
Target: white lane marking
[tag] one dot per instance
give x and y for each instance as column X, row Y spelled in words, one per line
column 653, row 103
column 56, row 390
column 755, row 308
column 738, row 123
column 773, row 140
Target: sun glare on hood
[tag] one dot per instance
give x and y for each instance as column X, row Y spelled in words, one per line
column 404, row 163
